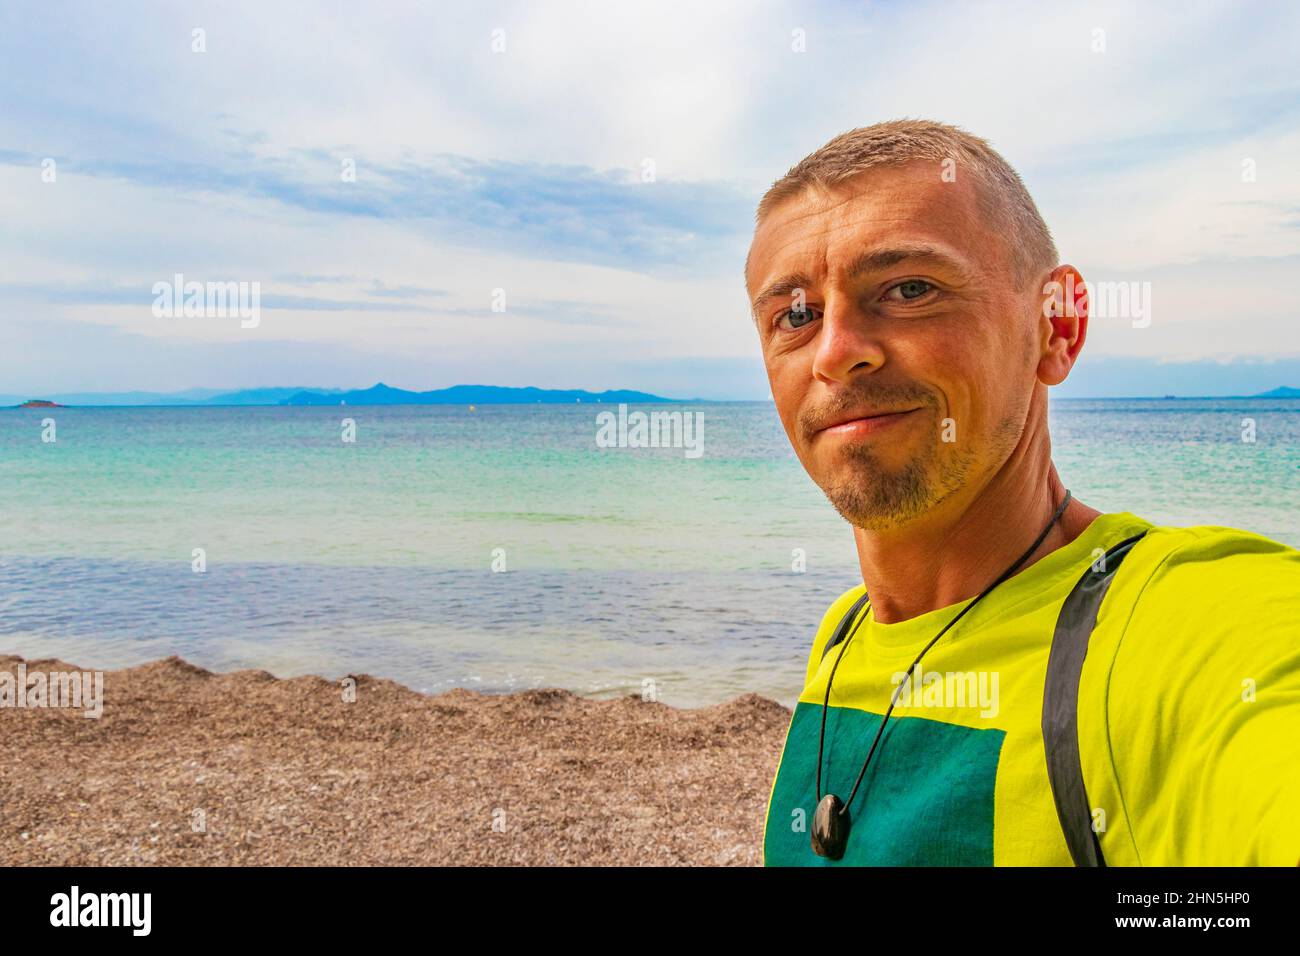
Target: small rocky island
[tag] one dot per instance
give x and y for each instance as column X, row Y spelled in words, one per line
column 40, row 403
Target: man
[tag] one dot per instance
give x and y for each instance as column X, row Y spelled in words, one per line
column 912, row 314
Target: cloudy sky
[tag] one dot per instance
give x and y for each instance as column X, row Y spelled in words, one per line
column 504, row 146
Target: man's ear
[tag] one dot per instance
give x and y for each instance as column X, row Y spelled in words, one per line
column 1063, row 323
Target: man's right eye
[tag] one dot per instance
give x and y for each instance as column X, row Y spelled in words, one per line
column 791, row 319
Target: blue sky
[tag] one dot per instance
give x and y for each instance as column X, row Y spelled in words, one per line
column 522, row 170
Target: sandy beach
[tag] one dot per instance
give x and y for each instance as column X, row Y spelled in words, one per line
column 186, row 766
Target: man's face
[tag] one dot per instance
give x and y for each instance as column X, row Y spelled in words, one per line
column 901, row 356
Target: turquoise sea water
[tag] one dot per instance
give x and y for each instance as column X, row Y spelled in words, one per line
column 622, row 565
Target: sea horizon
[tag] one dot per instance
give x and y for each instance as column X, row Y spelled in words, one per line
column 664, row 401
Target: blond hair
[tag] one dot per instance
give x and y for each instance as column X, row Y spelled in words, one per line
column 1002, row 195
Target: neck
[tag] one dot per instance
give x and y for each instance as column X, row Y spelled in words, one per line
column 959, row 547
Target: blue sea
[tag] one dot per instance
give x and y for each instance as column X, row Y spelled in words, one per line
column 504, row 547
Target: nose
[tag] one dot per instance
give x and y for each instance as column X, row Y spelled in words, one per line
column 847, row 344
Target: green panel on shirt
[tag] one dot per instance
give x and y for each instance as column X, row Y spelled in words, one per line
column 926, row 799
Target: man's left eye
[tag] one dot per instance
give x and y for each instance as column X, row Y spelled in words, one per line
column 911, row 289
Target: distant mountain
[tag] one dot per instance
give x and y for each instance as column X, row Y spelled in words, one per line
column 382, row 394
column 267, row 396
column 193, row 396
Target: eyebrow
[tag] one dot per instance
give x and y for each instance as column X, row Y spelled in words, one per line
column 786, row 285
column 868, row 262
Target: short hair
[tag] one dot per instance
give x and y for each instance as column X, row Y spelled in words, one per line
column 1000, row 191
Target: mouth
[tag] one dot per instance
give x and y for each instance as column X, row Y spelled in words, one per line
column 862, row 423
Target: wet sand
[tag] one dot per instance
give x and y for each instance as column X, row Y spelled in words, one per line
column 189, row 767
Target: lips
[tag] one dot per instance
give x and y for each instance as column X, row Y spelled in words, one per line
column 859, row 414
column 864, row 421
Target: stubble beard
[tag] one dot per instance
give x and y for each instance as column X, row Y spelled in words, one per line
column 874, row 498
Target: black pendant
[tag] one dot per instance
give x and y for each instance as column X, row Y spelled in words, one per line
column 830, row 829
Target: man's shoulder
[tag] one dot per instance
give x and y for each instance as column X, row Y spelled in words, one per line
column 1200, row 583
column 1168, row 558
column 1220, row 536
column 1199, row 627
column 834, row 614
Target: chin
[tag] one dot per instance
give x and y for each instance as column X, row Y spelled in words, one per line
column 874, row 499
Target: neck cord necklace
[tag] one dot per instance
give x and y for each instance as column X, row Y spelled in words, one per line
column 830, row 830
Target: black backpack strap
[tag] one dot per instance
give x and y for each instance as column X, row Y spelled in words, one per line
column 1061, row 703
column 842, row 629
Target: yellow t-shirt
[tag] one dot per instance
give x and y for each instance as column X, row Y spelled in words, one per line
column 1188, row 715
